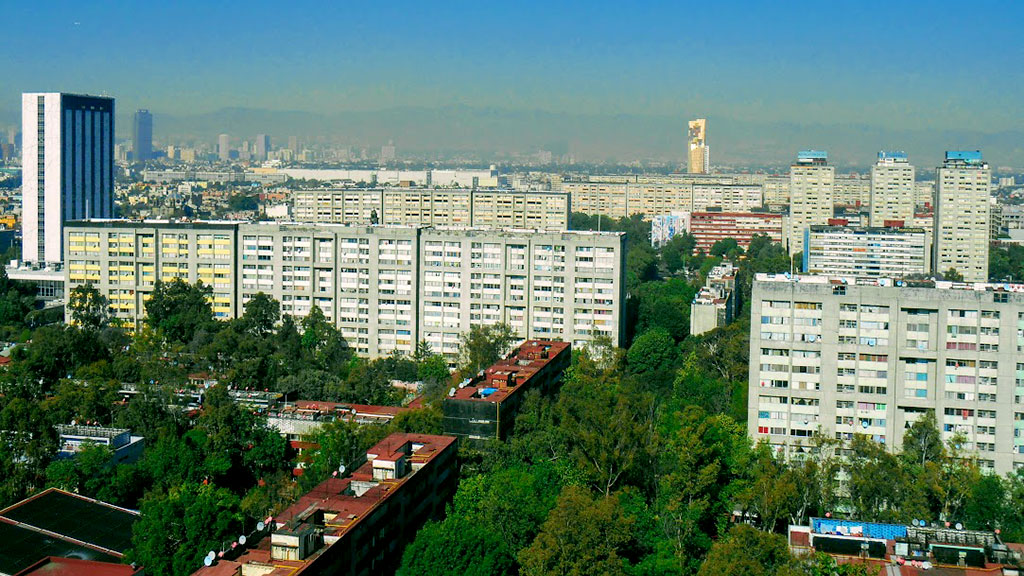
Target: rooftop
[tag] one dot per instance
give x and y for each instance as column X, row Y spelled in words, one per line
column 498, row 382
column 890, row 282
column 58, row 523
column 57, row 566
column 337, row 505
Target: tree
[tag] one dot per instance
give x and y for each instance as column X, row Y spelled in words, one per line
column 653, row 353
column 179, row 310
column 339, row 443
column 770, row 492
column 953, row 275
column 726, row 248
column 456, row 546
column 177, row 528
column 262, row 313
column 90, row 309
column 922, row 443
column 484, row 345
column 582, row 536
column 677, row 252
column 749, row 552
column 610, row 428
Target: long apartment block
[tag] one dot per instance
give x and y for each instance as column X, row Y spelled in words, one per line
column 434, row 207
column 840, row 357
column 657, row 199
column 384, row 287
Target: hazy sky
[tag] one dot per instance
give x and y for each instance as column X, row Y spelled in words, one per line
column 908, row 65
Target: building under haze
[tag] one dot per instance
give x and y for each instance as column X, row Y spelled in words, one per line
column 962, row 215
column 811, row 195
column 224, row 147
column 700, row 153
column 892, row 189
column 433, row 207
column 67, row 167
column 142, row 135
column 262, row 147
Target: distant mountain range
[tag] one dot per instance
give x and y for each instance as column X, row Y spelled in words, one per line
column 492, row 132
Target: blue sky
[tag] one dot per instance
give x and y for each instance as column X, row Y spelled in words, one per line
column 932, row 65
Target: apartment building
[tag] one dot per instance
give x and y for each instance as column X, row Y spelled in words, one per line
column 433, row 207
column 384, row 287
column 892, row 189
column 811, row 190
column 962, row 215
column 862, row 251
column 841, row 357
column 661, row 198
column 357, row 522
column 715, row 304
column 710, row 227
column 485, row 406
column 852, row 190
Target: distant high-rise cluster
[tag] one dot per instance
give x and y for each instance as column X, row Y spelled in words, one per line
column 700, row 153
column 224, row 147
column 262, row 147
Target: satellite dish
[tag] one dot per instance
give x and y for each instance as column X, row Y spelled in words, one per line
column 260, row 526
column 207, row 561
column 242, row 539
column 913, row 522
column 451, row 392
column 341, row 469
column 959, row 526
column 211, row 555
column 864, row 423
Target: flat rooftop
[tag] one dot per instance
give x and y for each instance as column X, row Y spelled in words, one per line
column 890, row 282
column 509, row 374
column 58, row 523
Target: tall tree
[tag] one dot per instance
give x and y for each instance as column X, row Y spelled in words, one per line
column 179, row 310
column 90, row 309
column 484, row 345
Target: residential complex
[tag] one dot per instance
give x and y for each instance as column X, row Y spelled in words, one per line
column 700, row 152
column 892, row 190
column 434, row 207
column 716, row 303
column 485, row 406
column 67, row 167
column 811, row 187
column 839, row 356
column 862, row 251
column 385, row 287
column 710, row 227
column 619, row 200
column 961, row 216
column 357, row 523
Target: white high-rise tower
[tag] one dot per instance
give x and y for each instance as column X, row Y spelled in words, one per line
column 67, row 167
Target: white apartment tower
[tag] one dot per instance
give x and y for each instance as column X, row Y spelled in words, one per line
column 67, row 167
column 892, row 189
column 811, row 195
column 962, row 215
column 224, row 147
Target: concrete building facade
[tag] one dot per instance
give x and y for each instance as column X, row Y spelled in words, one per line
column 861, row 251
column 842, row 357
column 811, row 187
column 699, row 153
column 384, row 287
column 962, row 215
column 892, row 189
column 434, row 207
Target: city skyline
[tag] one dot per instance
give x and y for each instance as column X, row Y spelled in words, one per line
column 828, row 74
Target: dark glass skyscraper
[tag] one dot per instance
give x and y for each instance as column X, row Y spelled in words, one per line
column 142, row 135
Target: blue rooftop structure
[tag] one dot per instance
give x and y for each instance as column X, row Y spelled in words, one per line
column 967, row 156
column 812, row 155
column 892, row 155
